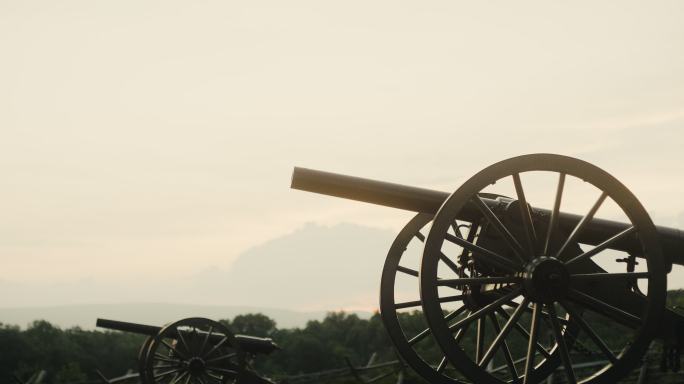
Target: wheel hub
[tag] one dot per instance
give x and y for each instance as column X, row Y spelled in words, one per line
column 545, row 279
column 196, row 366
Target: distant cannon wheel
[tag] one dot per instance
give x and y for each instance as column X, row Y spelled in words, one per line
column 193, row 350
column 534, row 281
column 142, row 358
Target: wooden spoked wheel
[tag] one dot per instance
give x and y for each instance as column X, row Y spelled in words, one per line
column 541, row 272
column 194, row 350
column 415, row 344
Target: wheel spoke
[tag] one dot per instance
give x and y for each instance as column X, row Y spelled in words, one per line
column 564, row 353
column 178, row 378
column 407, row 271
column 499, row 227
column 450, row 299
column 442, row 256
column 553, row 220
column 407, row 304
column 480, row 280
column 442, row 365
column 450, row 263
column 167, row 359
column 486, row 309
column 166, row 373
column 222, row 357
column 206, row 340
column 461, row 332
column 216, row 347
column 523, row 332
column 169, row 346
column 582, row 223
column 493, row 257
column 157, row 366
column 507, row 352
column 526, row 216
column 502, row 334
column 417, row 303
column 479, row 340
column 604, row 308
column 531, row 346
column 217, row 378
column 182, row 340
column 575, row 316
column 420, row 336
column 610, row 276
column 606, row 244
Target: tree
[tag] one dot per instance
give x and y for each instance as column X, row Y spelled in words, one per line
column 252, row 324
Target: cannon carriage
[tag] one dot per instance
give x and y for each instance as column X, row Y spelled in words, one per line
column 531, row 260
column 202, row 351
column 195, row 350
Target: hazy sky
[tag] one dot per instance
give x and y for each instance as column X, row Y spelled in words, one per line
column 141, row 139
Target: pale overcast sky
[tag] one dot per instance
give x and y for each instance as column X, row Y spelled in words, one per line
column 148, row 138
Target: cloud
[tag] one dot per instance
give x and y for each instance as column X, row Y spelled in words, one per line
column 313, row 268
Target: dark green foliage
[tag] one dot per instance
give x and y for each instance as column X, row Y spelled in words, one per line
column 73, row 355
column 68, row 356
column 676, row 299
column 253, row 324
column 324, row 344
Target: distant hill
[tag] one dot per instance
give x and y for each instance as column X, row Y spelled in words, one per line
column 84, row 316
column 311, row 271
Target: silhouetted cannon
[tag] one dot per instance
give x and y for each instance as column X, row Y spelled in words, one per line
column 196, row 350
column 520, row 280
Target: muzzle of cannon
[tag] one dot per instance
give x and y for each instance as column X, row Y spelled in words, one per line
column 194, row 350
column 535, row 264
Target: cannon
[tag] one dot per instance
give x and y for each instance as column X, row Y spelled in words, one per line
column 195, row 350
column 540, row 263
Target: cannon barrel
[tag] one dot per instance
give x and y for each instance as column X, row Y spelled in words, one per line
column 429, row 201
column 249, row 344
column 124, row 326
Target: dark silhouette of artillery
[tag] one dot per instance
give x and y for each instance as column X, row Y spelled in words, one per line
column 155, row 367
column 195, row 350
column 495, row 273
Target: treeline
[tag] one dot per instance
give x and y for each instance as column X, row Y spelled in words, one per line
column 67, row 356
column 73, row 355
